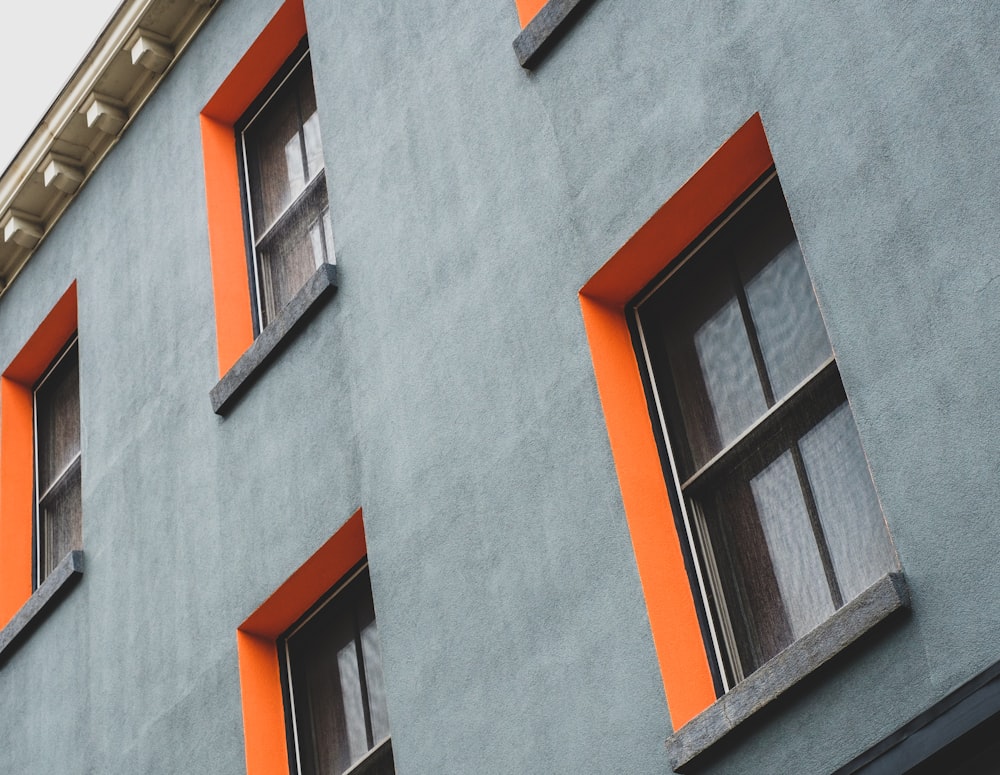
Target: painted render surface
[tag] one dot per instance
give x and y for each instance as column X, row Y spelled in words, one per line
column 447, row 387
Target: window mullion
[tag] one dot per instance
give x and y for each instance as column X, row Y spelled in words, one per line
column 805, row 393
column 751, row 329
column 303, row 151
column 363, row 678
column 294, row 208
column 59, row 480
column 817, row 527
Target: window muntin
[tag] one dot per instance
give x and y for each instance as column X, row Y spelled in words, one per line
column 335, row 686
column 776, row 495
column 287, row 207
column 58, row 502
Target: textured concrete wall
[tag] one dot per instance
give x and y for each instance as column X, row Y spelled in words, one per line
column 447, row 388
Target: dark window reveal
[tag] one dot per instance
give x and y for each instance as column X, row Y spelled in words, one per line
column 336, row 689
column 288, row 213
column 777, row 497
column 58, row 509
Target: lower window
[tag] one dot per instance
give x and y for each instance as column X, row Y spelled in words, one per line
column 334, row 686
column 779, row 509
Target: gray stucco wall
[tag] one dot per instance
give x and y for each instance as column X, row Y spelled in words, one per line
column 448, row 390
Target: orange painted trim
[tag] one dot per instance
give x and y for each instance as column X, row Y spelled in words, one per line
column 672, row 609
column 227, row 243
column 17, row 450
column 528, row 10
column 257, row 648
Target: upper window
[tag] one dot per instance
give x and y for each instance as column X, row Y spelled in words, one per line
column 779, row 508
column 285, row 203
column 335, row 688
column 58, row 508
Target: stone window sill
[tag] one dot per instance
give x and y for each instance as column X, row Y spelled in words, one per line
column 886, row 596
column 42, row 600
column 545, row 29
column 252, row 363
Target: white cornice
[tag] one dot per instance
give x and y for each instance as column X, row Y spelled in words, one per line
column 122, row 69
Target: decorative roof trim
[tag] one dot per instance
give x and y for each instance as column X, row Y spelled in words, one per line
column 123, row 68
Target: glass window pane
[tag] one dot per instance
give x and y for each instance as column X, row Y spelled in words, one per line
column 792, row 545
column 711, row 365
column 373, row 671
column 57, row 417
column 728, row 369
column 845, row 499
column 61, row 521
column 749, row 593
column 291, row 256
column 793, row 340
column 353, row 702
column 329, row 709
column 310, row 124
column 274, row 159
column 767, row 561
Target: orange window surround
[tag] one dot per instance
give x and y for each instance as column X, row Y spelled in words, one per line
column 528, row 10
column 230, row 275
column 17, row 450
column 673, row 618
column 257, row 645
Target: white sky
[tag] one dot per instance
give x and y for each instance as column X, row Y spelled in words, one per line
column 41, row 43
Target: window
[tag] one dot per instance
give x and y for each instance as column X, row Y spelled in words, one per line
column 269, row 226
column 310, row 668
column 543, row 23
column 58, row 508
column 685, row 583
column 775, row 495
column 40, row 494
column 335, row 687
column 286, row 205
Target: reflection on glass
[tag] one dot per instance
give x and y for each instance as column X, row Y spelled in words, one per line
column 62, row 520
column 293, row 165
column 274, row 160
column 353, row 705
column 795, row 558
column 289, row 257
column 727, row 367
column 792, row 337
column 845, row 499
column 376, row 684
column 314, row 146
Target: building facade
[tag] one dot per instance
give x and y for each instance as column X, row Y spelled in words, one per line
column 380, row 396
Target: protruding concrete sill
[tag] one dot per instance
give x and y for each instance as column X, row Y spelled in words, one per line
column 545, row 29
column 883, row 598
column 50, row 591
column 317, row 288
